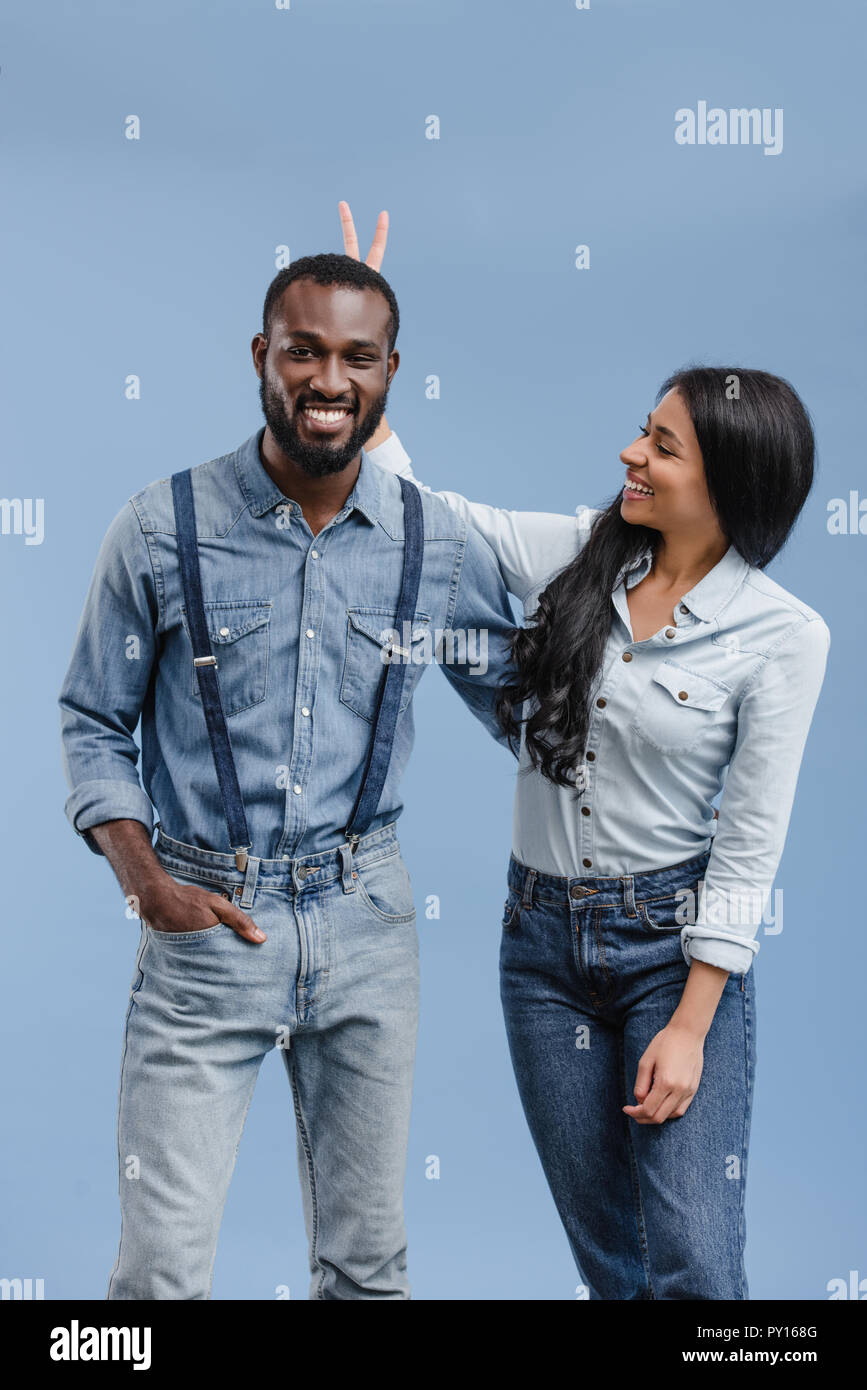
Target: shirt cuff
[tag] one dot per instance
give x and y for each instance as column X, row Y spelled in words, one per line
column 393, row 456
column 92, row 803
column 728, row 950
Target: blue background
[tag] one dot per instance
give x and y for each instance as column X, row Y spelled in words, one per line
column 152, row 257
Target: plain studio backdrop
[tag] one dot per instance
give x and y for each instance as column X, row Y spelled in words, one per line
column 149, row 257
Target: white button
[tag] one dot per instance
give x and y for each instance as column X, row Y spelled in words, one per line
column 296, row 789
column 286, row 856
column 305, row 711
column 315, row 554
column 224, row 632
column 309, row 632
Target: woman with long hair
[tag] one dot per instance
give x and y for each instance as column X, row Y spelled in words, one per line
column 658, row 667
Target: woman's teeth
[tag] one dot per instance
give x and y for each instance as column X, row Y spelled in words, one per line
column 639, row 487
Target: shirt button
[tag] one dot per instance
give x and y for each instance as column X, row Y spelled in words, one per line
column 224, row 632
column 305, row 711
column 309, row 632
column 682, row 695
column 286, row 856
column 591, row 757
column 627, row 656
column 600, row 704
column 670, row 632
column 683, row 608
column 297, row 789
column 315, row 554
column 585, row 810
column 588, row 863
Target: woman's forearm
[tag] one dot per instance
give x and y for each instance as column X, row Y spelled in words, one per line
column 698, row 1002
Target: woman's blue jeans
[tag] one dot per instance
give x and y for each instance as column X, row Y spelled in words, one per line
column 590, row 970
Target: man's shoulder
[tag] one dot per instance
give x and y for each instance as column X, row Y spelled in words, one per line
column 441, row 522
column 215, row 495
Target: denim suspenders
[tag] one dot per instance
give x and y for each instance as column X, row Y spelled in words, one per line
column 205, row 663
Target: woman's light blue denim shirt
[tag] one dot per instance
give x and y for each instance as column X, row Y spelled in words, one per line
column 720, row 698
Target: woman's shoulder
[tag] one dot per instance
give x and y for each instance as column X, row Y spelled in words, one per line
column 781, row 613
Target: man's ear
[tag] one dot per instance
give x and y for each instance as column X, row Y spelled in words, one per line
column 393, row 364
column 259, row 348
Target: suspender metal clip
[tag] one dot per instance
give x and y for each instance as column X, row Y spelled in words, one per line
column 353, row 841
column 204, row 661
column 241, row 859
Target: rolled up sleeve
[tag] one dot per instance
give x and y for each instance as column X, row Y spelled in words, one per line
column 773, row 722
column 106, row 683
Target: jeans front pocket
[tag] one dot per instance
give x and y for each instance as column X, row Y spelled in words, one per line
column 666, row 914
column 511, row 911
column 385, row 887
column 371, row 636
column 239, row 630
column 191, row 880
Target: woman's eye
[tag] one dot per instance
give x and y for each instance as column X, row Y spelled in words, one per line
column 642, row 429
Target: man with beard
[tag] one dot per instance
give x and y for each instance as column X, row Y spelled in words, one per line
column 260, row 613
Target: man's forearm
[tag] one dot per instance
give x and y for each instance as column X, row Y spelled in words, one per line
column 127, row 846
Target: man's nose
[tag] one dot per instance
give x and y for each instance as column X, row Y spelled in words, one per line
column 331, row 379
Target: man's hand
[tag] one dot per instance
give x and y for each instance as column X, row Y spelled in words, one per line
column 668, row 1075
column 175, row 907
column 350, row 240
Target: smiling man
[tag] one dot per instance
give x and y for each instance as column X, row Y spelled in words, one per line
column 242, row 609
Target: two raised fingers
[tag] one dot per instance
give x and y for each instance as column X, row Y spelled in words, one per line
column 350, row 240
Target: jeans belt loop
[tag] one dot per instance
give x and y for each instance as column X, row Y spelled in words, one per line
column 251, row 875
column 629, row 895
column 529, row 881
column 346, row 860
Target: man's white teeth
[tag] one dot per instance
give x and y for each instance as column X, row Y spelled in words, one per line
column 638, row 487
column 327, row 417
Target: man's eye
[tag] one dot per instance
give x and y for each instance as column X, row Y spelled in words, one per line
column 293, row 350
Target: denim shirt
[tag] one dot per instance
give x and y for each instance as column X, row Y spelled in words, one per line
column 721, row 697
column 298, row 624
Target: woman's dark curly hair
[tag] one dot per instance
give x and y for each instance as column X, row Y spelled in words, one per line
column 757, row 446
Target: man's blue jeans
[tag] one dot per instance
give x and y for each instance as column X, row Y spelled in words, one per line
column 591, row 970
column 335, row 987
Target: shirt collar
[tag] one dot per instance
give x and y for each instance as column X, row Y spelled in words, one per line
column 710, row 595
column 261, row 493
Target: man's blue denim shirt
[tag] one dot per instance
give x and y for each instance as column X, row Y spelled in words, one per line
column 298, row 623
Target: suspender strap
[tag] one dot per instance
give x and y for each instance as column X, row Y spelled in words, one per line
column 388, row 704
column 379, row 752
column 205, row 664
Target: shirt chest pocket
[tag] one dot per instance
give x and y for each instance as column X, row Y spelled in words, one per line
column 678, row 707
column 370, row 636
column 239, row 630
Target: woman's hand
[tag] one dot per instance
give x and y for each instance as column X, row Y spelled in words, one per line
column 668, row 1075
column 350, row 240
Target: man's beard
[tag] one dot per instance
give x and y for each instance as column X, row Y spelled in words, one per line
column 317, row 460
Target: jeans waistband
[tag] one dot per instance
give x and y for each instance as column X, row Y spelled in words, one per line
column 613, row 890
column 305, row 871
